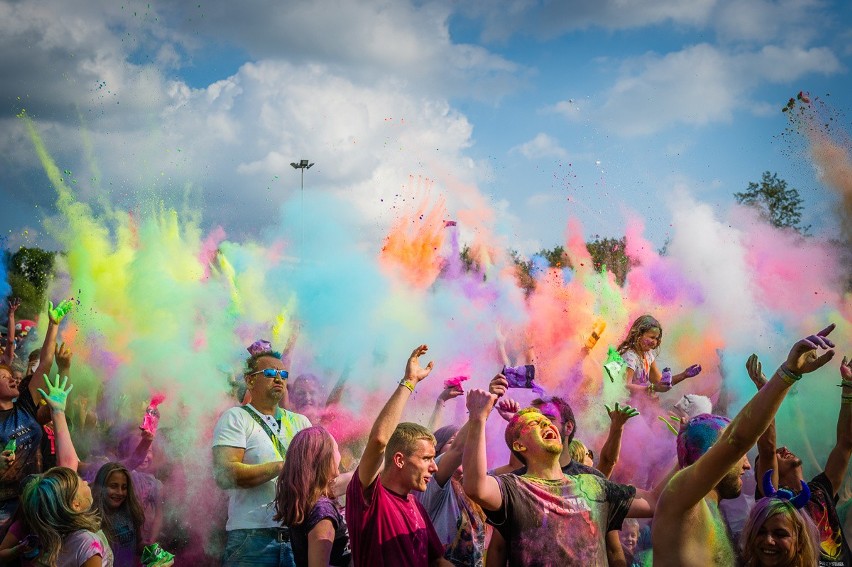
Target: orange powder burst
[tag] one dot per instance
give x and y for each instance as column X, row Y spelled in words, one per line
column 413, row 247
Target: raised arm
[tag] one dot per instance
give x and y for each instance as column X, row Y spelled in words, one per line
column 56, row 398
column 838, row 459
column 336, row 393
column 9, row 353
column 612, row 446
column 388, row 419
column 55, row 315
column 452, row 459
column 694, row 482
column 766, row 457
column 482, row 488
column 447, row 393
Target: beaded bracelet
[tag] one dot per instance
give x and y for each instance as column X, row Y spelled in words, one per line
column 845, row 383
column 407, row 384
column 846, row 399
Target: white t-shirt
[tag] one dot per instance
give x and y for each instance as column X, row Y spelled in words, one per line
column 252, row 508
column 641, row 366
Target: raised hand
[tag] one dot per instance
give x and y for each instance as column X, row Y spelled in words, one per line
column 57, row 313
column 804, row 357
column 63, row 356
column 498, row 385
column 450, row 392
column 755, row 371
column 56, row 396
column 14, row 303
column 846, row 369
column 507, row 408
column 693, row 371
column 479, row 403
column 620, row 414
column 413, row 370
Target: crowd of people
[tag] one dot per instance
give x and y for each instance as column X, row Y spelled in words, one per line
column 304, row 490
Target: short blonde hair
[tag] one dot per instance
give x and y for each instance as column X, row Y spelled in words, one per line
column 404, row 440
column 578, row 450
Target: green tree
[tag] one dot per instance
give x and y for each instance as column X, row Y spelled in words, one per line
column 523, row 272
column 779, row 205
column 609, row 254
column 30, row 271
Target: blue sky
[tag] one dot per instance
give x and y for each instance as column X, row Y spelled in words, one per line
column 538, row 111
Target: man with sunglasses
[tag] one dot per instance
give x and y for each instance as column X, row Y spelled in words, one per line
column 249, row 446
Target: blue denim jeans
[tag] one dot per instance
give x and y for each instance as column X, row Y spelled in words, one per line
column 257, row 548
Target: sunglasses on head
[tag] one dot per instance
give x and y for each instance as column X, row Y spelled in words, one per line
column 271, row 373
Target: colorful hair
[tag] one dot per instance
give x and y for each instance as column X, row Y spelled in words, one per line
column 806, row 550
column 697, row 436
column 130, row 505
column 48, row 510
column 578, row 450
column 251, row 362
column 639, row 327
column 7, row 368
column 307, row 475
column 443, row 436
column 565, row 412
column 513, row 430
column 404, row 440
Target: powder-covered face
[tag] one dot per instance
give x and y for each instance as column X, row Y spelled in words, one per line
column 649, row 340
column 775, row 542
column 629, row 538
column 551, row 412
column 538, row 436
column 116, row 489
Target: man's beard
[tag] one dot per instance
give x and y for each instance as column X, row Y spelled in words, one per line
column 730, row 486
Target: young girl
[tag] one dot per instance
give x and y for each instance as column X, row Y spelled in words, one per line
column 57, row 507
column 121, row 513
column 639, row 351
column 776, row 534
column 304, row 500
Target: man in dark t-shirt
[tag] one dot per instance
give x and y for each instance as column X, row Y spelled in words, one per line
column 545, row 516
column 787, row 471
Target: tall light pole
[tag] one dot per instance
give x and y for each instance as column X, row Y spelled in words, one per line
column 302, row 165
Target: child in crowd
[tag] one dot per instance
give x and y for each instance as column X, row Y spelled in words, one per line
column 639, row 350
column 304, row 500
column 121, row 513
column 58, row 510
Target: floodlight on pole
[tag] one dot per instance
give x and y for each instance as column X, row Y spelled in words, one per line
column 302, row 166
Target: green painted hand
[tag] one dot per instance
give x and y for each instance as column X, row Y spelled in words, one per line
column 57, row 395
column 57, row 313
column 621, row 414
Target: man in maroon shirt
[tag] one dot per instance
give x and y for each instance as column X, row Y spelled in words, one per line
column 387, row 525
